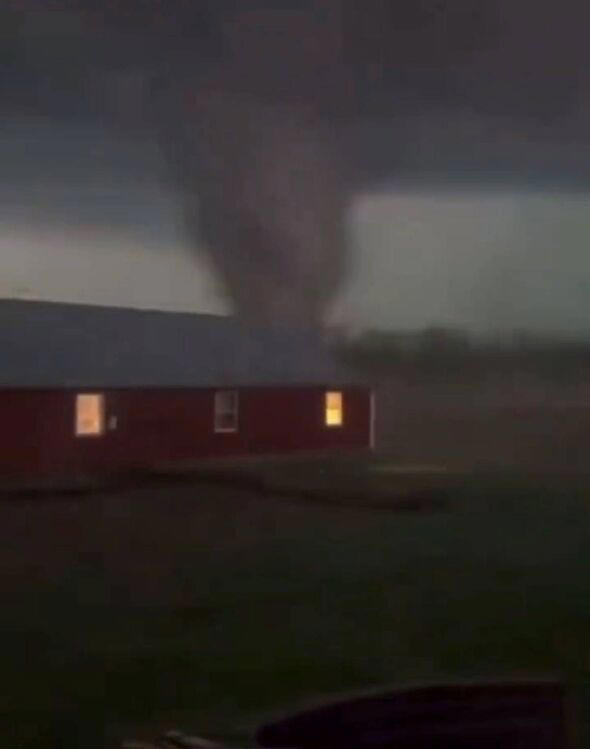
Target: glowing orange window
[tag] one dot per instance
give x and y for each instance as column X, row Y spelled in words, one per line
column 90, row 415
column 334, row 409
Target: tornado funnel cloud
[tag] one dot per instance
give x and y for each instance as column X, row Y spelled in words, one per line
column 261, row 177
column 270, row 204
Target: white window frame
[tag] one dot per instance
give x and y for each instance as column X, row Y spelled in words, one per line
column 102, row 416
column 219, row 413
column 327, row 395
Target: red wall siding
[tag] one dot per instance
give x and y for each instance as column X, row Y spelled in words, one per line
column 163, row 426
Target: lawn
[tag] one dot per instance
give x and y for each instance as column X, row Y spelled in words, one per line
column 210, row 608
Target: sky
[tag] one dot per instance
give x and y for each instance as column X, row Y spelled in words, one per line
column 87, row 216
column 465, row 129
column 487, row 262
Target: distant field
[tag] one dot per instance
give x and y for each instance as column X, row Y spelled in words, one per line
column 210, row 608
column 519, row 421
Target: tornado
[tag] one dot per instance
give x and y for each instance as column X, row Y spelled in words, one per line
column 269, row 201
column 261, row 178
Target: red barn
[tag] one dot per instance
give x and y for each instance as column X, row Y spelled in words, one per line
column 89, row 390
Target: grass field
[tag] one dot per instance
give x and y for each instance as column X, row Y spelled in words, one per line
column 210, row 608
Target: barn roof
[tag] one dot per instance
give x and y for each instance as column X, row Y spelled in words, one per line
column 46, row 344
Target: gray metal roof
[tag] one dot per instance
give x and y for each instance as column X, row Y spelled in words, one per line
column 46, row 344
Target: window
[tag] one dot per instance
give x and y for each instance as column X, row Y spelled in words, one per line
column 334, row 409
column 90, row 415
column 226, row 411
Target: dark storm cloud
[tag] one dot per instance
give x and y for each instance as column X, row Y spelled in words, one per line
column 522, row 60
column 507, row 57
